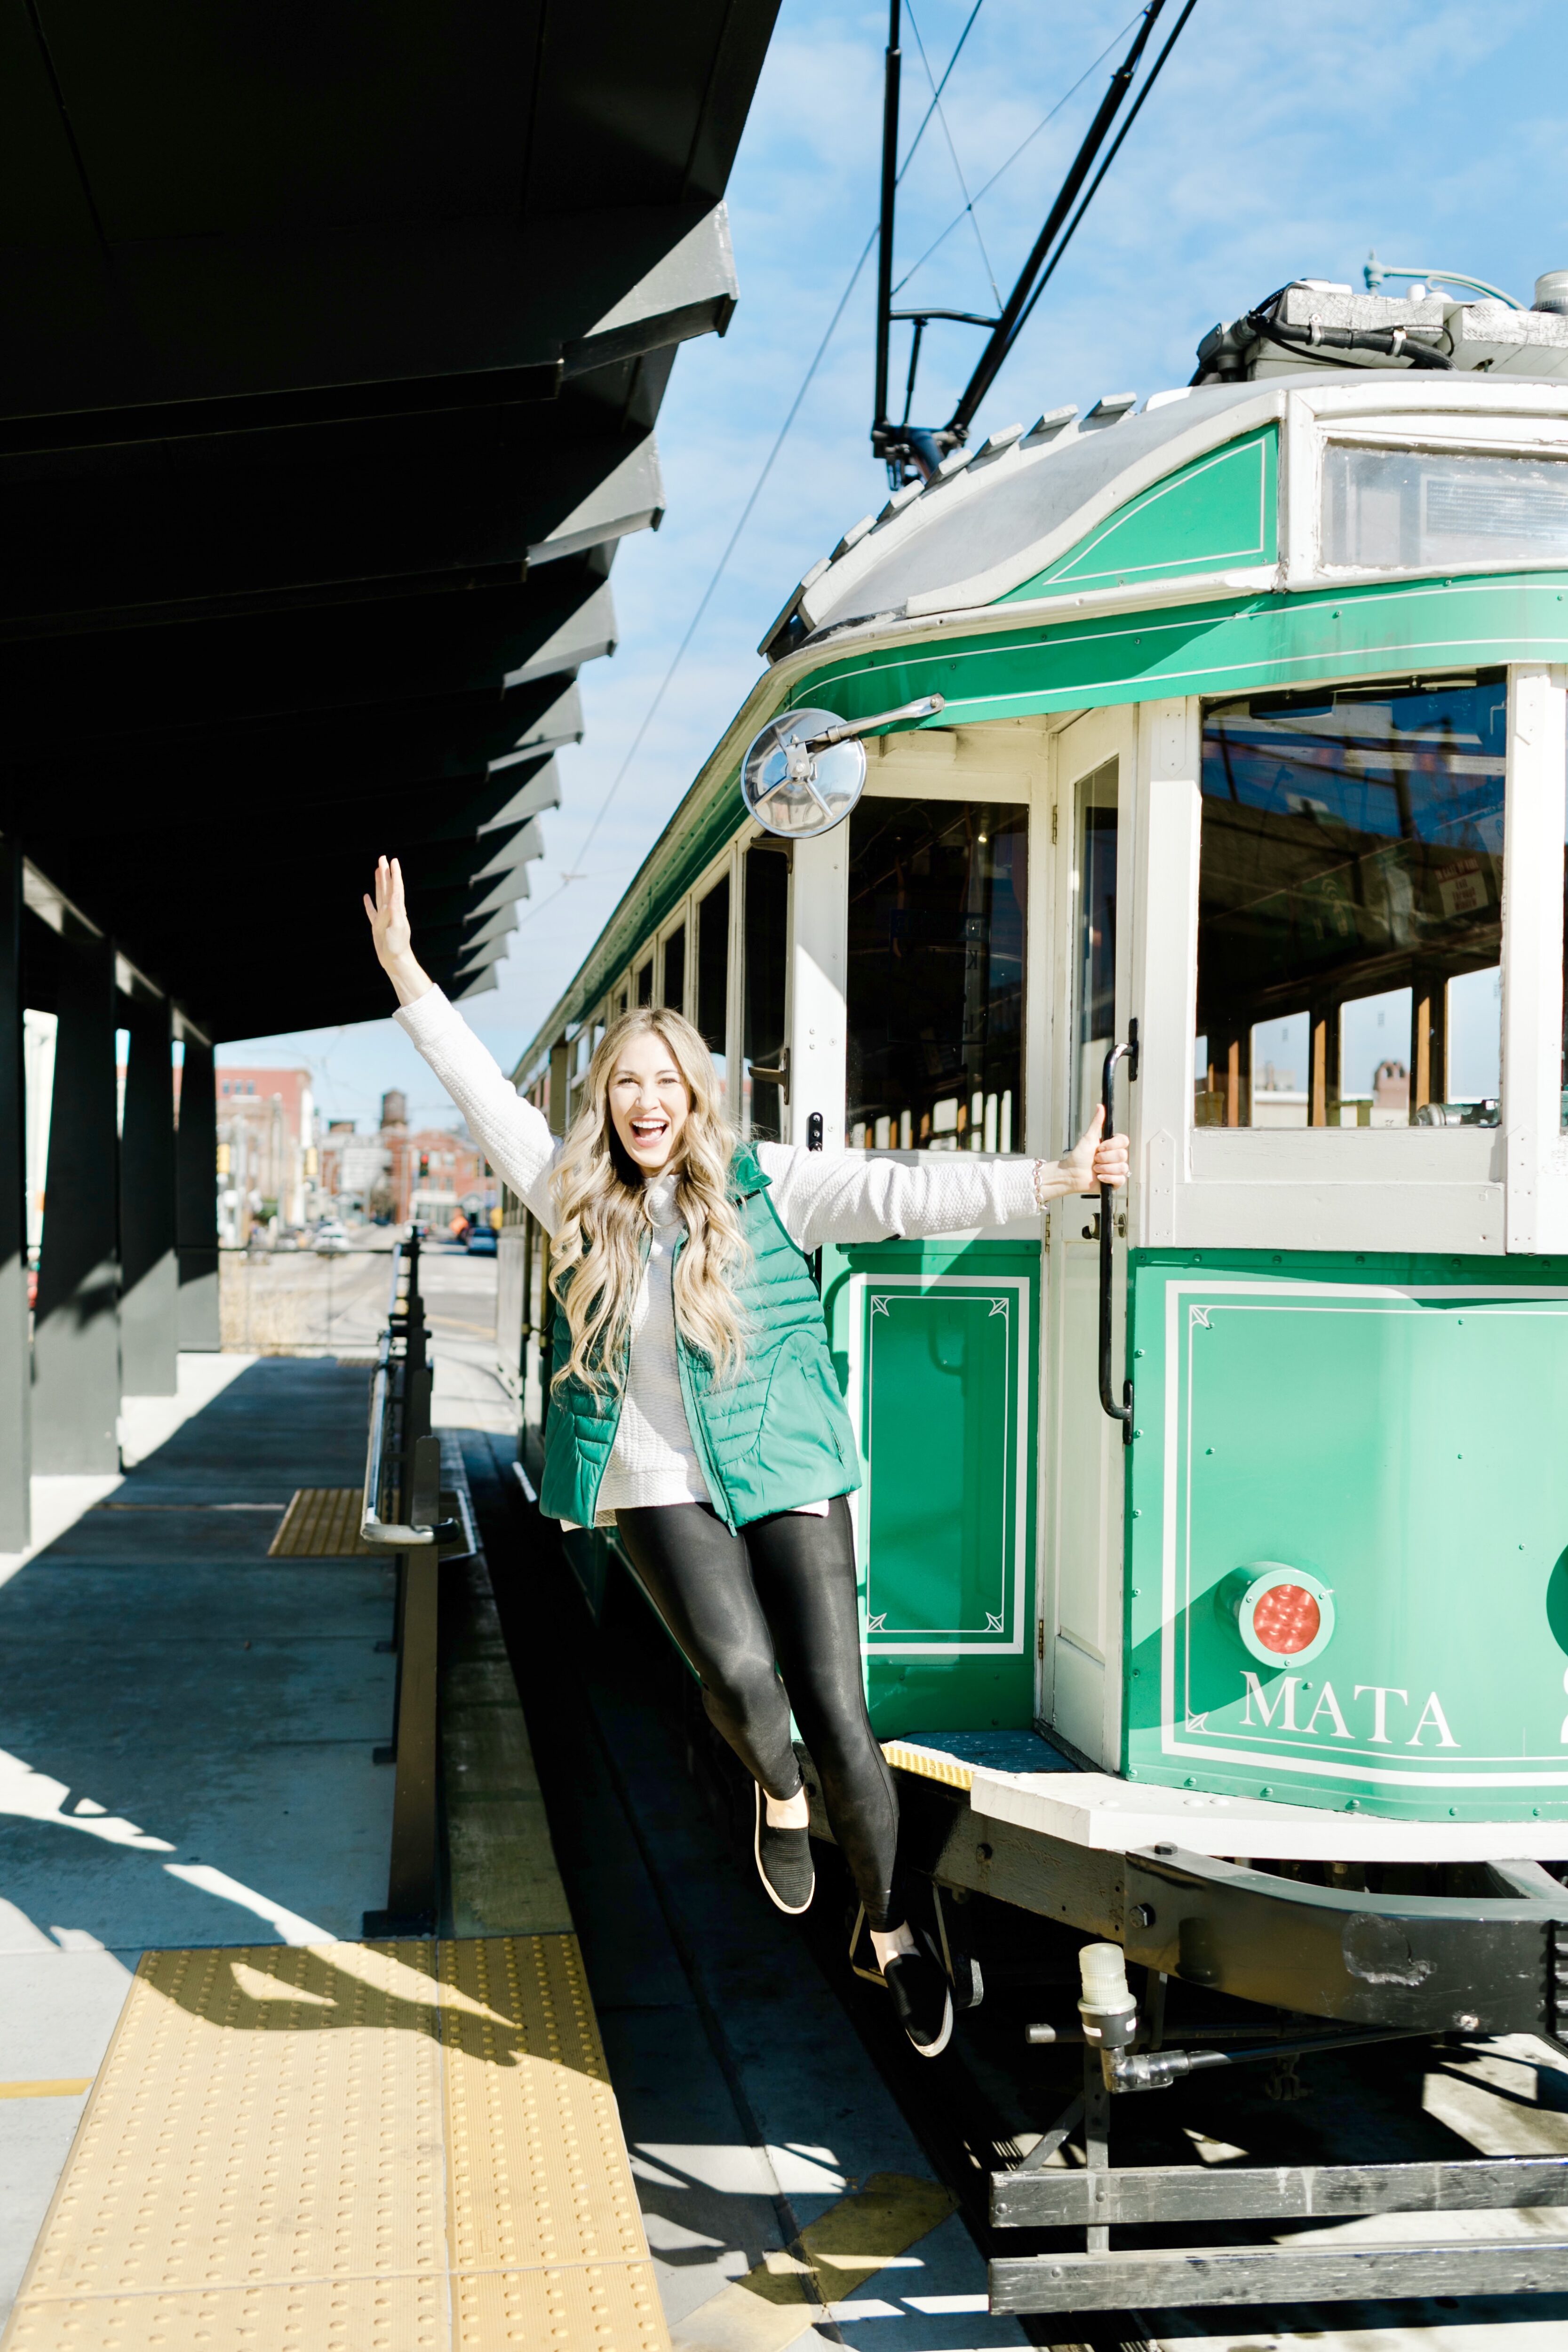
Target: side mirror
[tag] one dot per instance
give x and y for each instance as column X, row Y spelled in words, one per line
column 807, row 769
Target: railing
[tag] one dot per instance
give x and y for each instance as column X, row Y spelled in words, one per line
column 405, row 1511
column 400, row 1392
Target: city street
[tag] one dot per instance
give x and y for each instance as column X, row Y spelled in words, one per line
column 280, row 1301
column 459, row 1294
column 289, row 1302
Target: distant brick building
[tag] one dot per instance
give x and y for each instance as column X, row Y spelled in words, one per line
column 354, row 1170
column 267, row 1149
column 425, row 1176
column 433, row 1174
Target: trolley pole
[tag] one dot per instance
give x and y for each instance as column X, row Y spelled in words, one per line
column 891, row 70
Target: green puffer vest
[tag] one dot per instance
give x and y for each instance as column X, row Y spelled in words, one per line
column 775, row 1436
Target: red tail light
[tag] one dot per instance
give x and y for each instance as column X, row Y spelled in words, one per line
column 1287, row 1619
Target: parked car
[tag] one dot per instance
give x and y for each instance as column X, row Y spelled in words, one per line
column 480, row 1242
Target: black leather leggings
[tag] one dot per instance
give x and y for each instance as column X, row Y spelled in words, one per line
column 784, row 1593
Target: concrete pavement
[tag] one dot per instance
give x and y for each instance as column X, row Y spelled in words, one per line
column 188, row 1733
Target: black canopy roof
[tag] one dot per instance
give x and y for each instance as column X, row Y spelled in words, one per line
column 336, row 344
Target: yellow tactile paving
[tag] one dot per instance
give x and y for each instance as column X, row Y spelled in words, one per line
column 349, row 2148
column 929, row 1762
column 323, row 1523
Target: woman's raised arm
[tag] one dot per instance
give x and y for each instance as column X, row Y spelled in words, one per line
column 851, row 1197
column 512, row 1136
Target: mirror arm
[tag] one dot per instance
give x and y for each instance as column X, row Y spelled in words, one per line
column 927, row 707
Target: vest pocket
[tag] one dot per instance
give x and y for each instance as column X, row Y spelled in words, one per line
column 803, row 1419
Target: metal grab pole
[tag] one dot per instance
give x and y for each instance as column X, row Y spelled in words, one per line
column 1122, row 1412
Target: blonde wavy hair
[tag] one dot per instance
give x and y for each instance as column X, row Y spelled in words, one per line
column 596, row 1262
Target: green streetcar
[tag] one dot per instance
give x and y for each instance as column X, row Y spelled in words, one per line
column 1250, row 746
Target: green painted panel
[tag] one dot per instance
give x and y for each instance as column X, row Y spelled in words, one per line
column 935, row 1347
column 1231, row 645
column 1390, row 1428
column 1219, row 511
column 940, row 1443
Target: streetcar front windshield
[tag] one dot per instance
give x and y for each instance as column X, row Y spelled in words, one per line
column 1350, row 924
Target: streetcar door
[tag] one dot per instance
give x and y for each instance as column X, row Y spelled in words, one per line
column 1081, row 1606
column 935, row 1338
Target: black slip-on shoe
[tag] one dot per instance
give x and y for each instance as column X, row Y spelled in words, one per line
column 784, row 1863
column 923, row 2001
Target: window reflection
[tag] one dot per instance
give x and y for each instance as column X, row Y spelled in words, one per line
column 938, row 891
column 1349, row 909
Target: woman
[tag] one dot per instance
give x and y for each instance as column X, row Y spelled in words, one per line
column 694, row 1404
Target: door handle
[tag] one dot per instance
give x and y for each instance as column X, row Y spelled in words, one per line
column 1122, row 1412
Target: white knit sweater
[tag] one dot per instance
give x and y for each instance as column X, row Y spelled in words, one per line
column 654, row 1460
column 817, row 1198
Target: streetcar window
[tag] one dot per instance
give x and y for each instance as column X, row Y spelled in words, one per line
column 938, row 891
column 1350, row 917
column 1279, row 1058
column 713, row 969
column 645, row 985
column 1374, row 1076
column 675, row 971
column 1392, row 508
column 766, row 967
column 582, row 1054
column 1094, row 978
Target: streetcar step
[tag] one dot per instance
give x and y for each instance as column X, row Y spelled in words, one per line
column 1183, row 2193
column 1326, row 2271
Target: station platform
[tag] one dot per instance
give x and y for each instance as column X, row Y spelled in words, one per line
column 614, row 2103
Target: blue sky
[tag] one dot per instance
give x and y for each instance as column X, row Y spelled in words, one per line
column 1281, row 141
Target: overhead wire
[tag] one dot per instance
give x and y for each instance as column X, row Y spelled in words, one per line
column 942, row 85
column 652, row 712
column 1150, row 79
column 732, row 542
column 952, row 151
column 1045, row 121
column 1003, row 338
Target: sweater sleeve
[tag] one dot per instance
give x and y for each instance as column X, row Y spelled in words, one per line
column 854, row 1196
column 512, row 1135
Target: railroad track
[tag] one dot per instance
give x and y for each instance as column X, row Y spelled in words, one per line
column 981, row 2107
